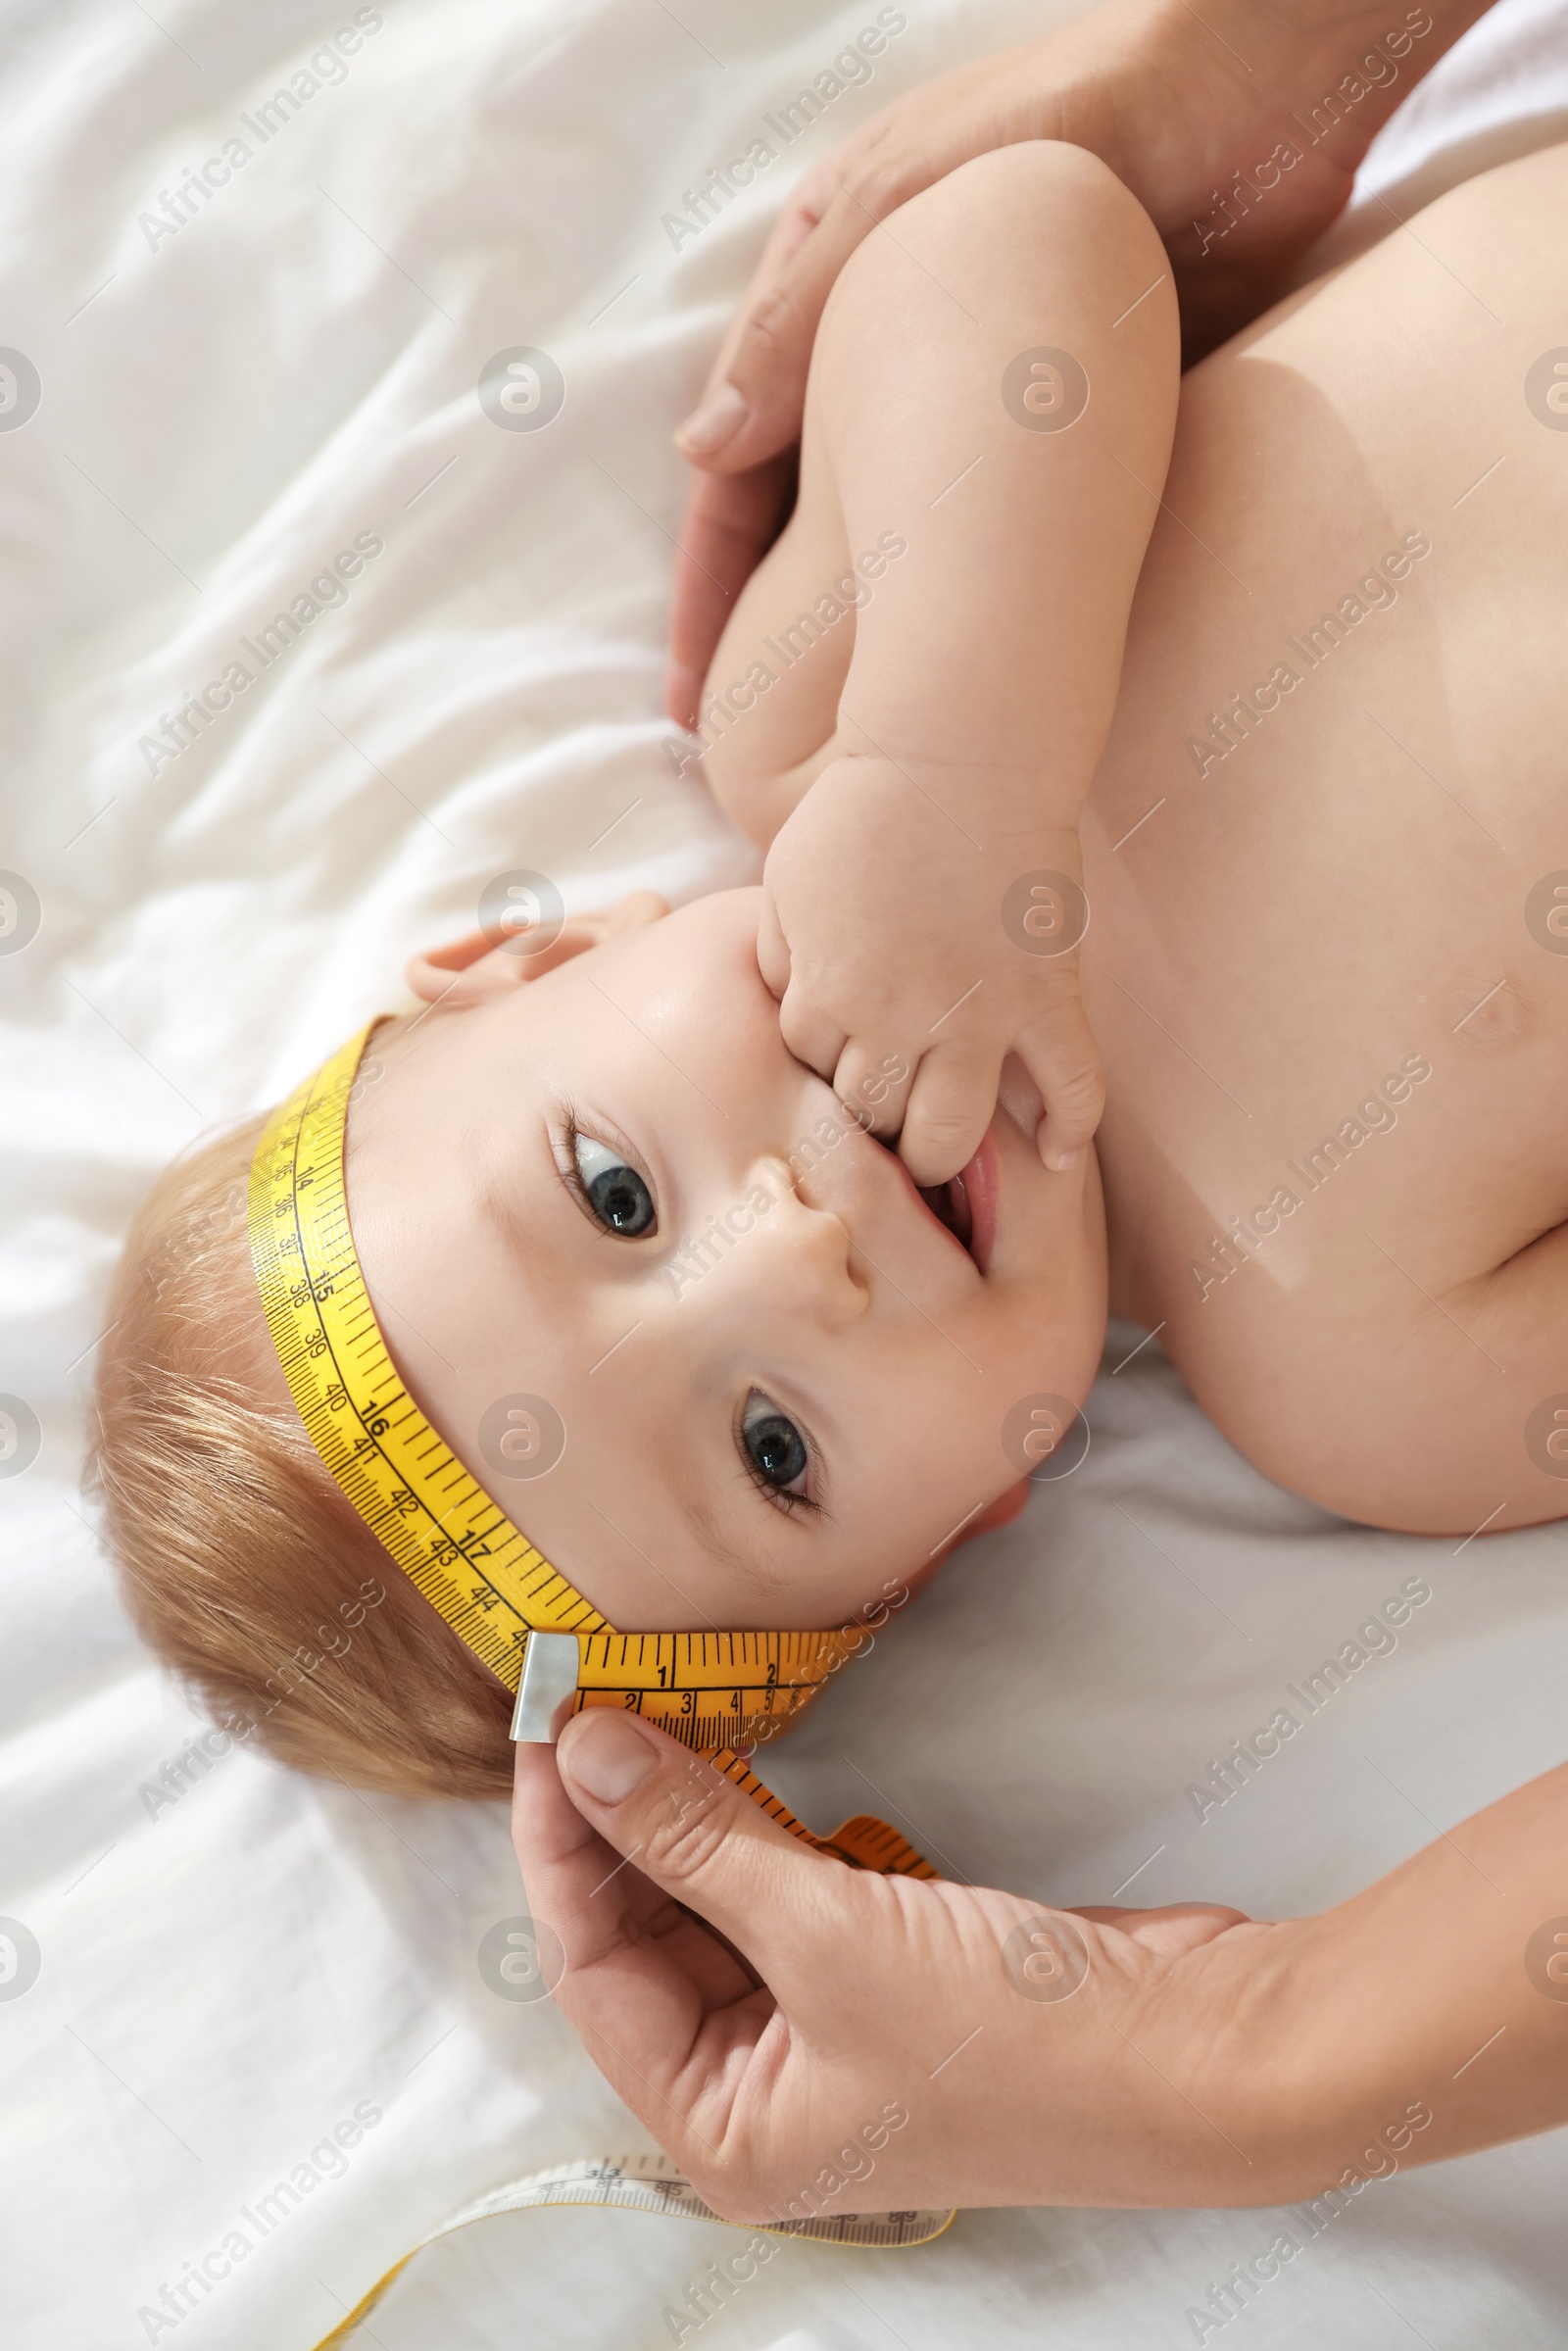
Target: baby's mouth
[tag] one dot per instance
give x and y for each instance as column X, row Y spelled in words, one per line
column 966, row 1206
column 949, row 1204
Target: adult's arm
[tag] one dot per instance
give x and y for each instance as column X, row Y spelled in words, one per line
column 771, row 2014
column 1177, row 100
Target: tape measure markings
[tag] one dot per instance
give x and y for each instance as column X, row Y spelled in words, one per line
column 493, row 1588
column 461, row 1551
column 321, row 1285
column 649, row 2183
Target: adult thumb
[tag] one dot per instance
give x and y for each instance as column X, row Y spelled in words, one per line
column 691, row 1831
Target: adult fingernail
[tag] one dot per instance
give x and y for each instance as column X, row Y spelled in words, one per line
column 682, row 687
column 717, row 421
column 608, row 1757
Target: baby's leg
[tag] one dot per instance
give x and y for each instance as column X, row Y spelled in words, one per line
column 987, row 429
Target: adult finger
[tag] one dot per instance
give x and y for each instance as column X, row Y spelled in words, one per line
column 802, row 210
column 1174, row 1928
column 667, row 2013
column 586, row 1902
column 950, row 1106
column 700, row 1839
column 719, row 431
column 755, row 398
column 1059, row 1053
column 730, row 523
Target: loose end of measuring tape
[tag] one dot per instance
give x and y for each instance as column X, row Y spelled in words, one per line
column 865, row 1842
column 868, row 1843
column 650, row 2184
column 545, row 1699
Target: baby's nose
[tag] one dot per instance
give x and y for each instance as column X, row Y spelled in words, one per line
column 785, row 1250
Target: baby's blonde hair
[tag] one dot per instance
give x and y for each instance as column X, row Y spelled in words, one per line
column 241, row 1563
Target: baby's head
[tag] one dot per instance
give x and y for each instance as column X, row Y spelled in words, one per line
column 775, row 1383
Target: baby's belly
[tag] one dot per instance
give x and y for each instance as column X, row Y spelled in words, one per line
column 1328, row 960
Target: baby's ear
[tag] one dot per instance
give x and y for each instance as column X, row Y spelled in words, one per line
column 1002, row 1512
column 474, row 970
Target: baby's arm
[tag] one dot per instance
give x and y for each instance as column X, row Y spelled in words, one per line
column 912, row 697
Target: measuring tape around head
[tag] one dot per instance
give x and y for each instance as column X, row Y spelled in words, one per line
column 718, row 1692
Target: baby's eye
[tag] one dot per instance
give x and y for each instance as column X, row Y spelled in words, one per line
column 773, row 1445
column 614, row 1192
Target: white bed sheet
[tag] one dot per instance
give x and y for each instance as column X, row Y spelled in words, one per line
column 222, row 409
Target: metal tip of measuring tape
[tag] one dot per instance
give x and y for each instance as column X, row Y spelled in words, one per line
column 549, row 1682
column 713, row 1690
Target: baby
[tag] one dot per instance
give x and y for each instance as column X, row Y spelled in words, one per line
column 641, row 1165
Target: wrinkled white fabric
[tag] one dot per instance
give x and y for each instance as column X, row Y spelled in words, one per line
column 226, row 1978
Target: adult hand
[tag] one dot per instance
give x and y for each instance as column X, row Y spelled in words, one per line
column 768, row 2013
column 910, row 2038
column 1175, row 103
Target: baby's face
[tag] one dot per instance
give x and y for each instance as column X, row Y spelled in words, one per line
column 762, row 1435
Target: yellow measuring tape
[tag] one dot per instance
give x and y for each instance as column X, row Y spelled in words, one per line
column 719, row 1692
column 650, row 2184
column 716, row 1692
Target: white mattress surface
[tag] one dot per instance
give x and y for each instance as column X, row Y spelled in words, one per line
column 224, row 1978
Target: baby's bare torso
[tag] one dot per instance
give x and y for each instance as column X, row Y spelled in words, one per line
column 1325, row 965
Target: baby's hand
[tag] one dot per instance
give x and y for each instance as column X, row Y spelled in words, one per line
column 909, row 923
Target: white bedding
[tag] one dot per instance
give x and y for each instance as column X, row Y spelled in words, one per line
column 224, row 1977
